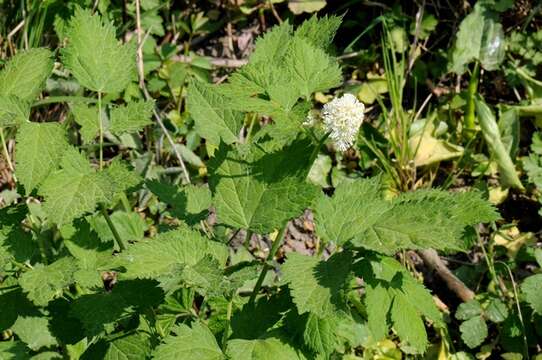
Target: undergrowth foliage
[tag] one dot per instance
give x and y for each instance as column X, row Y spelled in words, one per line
column 73, row 284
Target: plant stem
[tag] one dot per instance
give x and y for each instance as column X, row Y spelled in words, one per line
column 226, row 333
column 101, row 130
column 116, row 235
column 266, row 266
column 6, row 153
column 470, row 110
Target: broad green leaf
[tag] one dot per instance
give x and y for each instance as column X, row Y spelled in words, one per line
column 319, row 32
column 480, row 37
column 130, row 226
column 320, row 334
column 249, row 191
column 473, row 331
column 131, row 347
column 300, row 6
column 94, row 55
column 531, row 290
column 131, row 117
column 44, row 283
column 410, row 221
column 122, row 177
column 34, row 331
column 270, row 348
column 13, row 111
column 378, row 302
column 315, row 285
column 496, row 310
column 158, row 256
column 311, row 68
column 492, row 136
column 16, row 243
column 100, row 311
column 24, row 74
column 87, row 117
column 74, row 190
column 468, row 310
column 14, row 305
column 13, row 350
column 272, row 46
column 408, row 324
column 40, row 146
column 214, row 119
column 193, row 343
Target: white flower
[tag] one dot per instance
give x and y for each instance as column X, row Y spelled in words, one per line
column 342, row 117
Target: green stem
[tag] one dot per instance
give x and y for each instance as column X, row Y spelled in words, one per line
column 471, row 94
column 6, row 153
column 226, row 333
column 116, row 235
column 101, row 130
column 266, row 266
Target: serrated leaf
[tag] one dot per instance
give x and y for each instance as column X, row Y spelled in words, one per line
column 13, row 111
column 14, row 304
column 131, row 117
column 249, row 193
column 34, row 331
column 131, row 347
column 74, row 190
column 378, row 302
column 44, row 283
column 320, row 334
column 214, row 119
column 473, row 331
column 122, row 177
column 272, row 46
column 87, row 117
column 270, row 348
column 311, row 68
column 531, row 289
column 94, row 55
column 496, row 310
column 13, row 350
column 410, row 221
column 25, row 73
column 40, row 146
column 408, row 324
column 319, row 32
column 155, row 257
column 194, row 343
column 99, row 312
column 315, row 285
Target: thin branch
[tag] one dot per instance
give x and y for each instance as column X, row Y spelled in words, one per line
column 141, row 74
column 433, row 261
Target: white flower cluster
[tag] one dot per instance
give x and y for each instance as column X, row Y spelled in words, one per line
column 342, row 117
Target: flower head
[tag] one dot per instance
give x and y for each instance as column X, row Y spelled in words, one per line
column 342, row 117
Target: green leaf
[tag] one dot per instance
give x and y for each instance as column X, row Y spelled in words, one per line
column 34, row 331
column 249, row 191
column 320, row 334
column 214, row 119
column 481, row 38
column 473, row 331
column 311, row 68
column 44, row 283
column 74, row 190
column 319, row 32
column 272, row 46
column 122, row 177
column 492, row 136
column 94, row 55
column 99, row 312
column 316, row 285
column 531, row 290
column 24, row 75
column 468, row 310
column 131, row 117
column 13, row 350
column 14, row 304
column 411, row 221
column 13, row 111
column 270, row 348
column 496, row 310
column 87, row 117
column 40, row 146
column 300, row 6
column 408, row 324
column 194, row 343
column 378, row 303
column 131, row 347
column 158, row 256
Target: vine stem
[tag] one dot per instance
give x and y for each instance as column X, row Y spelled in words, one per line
column 116, row 235
column 101, row 130
column 6, row 153
column 266, row 266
